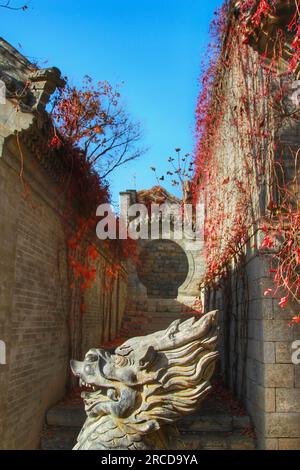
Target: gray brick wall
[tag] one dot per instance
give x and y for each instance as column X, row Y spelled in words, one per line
column 256, row 339
column 36, row 301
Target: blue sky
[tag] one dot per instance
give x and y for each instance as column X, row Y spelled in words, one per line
column 154, row 46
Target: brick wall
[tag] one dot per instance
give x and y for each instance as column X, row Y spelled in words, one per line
column 256, row 340
column 36, row 302
column 163, row 268
column 256, row 353
column 40, row 319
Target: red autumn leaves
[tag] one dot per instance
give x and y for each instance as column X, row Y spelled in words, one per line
column 263, row 10
column 83, row 271
column 285, row 242
column 55, row 142
column 267, row 243
column 256, row 15
column 78, row 112
column 294, row 28
column 227, row 225
column 84, row 259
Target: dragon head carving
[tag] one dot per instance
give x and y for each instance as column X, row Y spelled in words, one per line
column 148, row 383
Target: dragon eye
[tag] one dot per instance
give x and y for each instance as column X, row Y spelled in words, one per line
column 89, row 370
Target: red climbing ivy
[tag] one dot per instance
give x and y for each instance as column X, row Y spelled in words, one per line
column 93, row 135
column 255, row 119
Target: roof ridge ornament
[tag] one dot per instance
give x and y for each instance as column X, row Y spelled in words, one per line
column 43, row 84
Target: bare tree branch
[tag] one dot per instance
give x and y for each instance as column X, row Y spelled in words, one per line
column 93, row 119
column 122, row 161
column 9, row 7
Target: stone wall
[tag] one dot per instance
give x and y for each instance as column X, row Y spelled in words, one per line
column 193, row 265
column 163, row 268
column 35, row 304
column 256, row 353
column 180, row 261
column 256, row 340
column 40, row 317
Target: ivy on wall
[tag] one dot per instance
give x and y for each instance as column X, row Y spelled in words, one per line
column 243, row 109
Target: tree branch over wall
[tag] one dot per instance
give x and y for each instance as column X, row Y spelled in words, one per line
column 11, row 7
column 93, row 119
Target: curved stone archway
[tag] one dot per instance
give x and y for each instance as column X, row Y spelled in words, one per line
column 193, row 250
column 163, row 268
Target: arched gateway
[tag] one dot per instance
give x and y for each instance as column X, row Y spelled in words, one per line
column 163, row 267
column 163, row 285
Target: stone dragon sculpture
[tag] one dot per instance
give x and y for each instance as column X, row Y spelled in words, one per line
column 137, row 393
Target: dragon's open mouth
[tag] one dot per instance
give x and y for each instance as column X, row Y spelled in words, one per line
column 94, row 396
column 87, row 387
column 90, row 371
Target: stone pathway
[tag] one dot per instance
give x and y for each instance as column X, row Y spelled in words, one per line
column 219, row 425
column 144, row 316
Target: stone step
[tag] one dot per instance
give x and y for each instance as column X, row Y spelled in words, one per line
column 58, row 438
column 215, row 426
column 197, row 432
column 198, row 423
column 73, row 416
column 202, row 422
column 66, row 416
column 169, row 317
column 64, row 438
column 141, row 315
column 170, row 313
column 216, row 441
column 150, row 322
column 161, row 305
